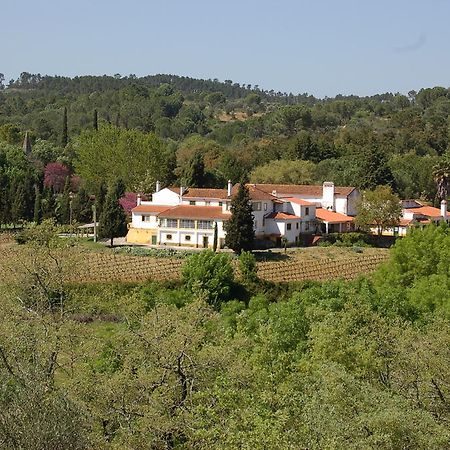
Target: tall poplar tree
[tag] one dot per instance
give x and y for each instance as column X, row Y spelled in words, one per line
column 239, row 228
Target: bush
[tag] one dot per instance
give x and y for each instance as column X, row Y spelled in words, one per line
column 247, row 267
column 210, row 276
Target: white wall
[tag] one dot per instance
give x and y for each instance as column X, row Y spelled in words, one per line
column 164, row 197
column 137, row 222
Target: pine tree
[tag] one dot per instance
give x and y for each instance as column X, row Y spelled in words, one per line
column 194, row 174
column 113, row 219
column 239, row 228
column 37, row 204
column 65, row 133
column 95, row 120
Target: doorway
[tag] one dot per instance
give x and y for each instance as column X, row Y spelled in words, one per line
column 205, row 241
column 154, row 240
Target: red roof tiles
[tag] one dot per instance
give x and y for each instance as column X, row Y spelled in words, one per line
column 196, row 212
column 282, row 216
column 332, row 217
column 150, row 209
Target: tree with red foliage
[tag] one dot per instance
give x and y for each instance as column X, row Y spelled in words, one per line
column 55, row 175
column 128, row 201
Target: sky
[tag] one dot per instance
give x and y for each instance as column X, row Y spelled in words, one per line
column 322, row 47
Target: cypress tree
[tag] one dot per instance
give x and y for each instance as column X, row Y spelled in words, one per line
column 113, row 221
column 65, row 134
column 239, row 228
column 64, row 204
column 194, row 174
column 100, row 198
column 17, row 201
column 215, row 237
column 37, row 204
column 95, row 120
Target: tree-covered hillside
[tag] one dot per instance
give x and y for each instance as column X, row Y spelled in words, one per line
column 168, row 127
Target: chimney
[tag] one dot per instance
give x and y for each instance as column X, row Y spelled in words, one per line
column 138, row 199
column 158, row 186
column 444, row 209
column 229, row 188
column 181, row 191
column 328, row 195
column 274, row 193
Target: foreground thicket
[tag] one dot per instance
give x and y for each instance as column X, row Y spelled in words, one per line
column 339, row 365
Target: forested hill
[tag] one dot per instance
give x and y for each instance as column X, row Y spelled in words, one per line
column 204, row 132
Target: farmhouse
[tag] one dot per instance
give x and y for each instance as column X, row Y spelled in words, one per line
column 190, row 217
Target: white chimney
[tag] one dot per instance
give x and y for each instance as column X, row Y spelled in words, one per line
column 158, row 186
column 328, row 195
column 229, row 188
column 444, row 209
column 138, row 199
column 274, row 193
column 181, row 191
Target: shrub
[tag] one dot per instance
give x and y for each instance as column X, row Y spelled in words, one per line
column 210, row 276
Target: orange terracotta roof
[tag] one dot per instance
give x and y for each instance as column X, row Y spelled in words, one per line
column 196, row 212
column 206, row 193
column 282, row 216
column 298, row 201
column 255, row 193
column 302, row 189
column 405, row 222
column 150, row 209
column 332, row 217
column 429, row 211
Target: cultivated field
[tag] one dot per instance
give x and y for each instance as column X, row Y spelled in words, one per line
column 88, row 265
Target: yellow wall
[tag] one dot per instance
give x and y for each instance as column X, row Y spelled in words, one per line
column 140, row 236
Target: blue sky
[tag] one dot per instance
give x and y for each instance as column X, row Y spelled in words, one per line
column 322, row 47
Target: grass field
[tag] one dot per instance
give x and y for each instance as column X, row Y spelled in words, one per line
column 93, row 264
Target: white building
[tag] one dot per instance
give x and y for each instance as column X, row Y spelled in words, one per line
column 188, row 216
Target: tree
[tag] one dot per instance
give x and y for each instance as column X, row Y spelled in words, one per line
column 95, row 120
column 209, row 276
column 441, row 175
column 380, row 207
column 113, row 221
column 194, row 174
column 64, row 204
column 65, row 133
column 112, row 153
column 37, row 214
column 240, row 233
column 284, row 172
column 55, row 176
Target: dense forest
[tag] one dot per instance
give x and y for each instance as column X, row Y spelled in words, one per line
column 94, row 130
column 219, row 361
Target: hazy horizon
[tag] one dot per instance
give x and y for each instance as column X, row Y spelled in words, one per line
column 323, row 49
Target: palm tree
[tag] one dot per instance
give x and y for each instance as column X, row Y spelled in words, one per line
column 441, row 175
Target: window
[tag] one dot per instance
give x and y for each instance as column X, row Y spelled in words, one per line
column 205, row 224
column 169, row 223
column 187, row 223
column 288, row 226
column 296, row 225
column 265, row 206
column 146, row 218
column 207, row 203
column 227, row 206
column 220, row 203
column 168, row 237
column 307, row 226
column 306, row 211
column 192, row 202
column 187, row 238
column 256, row 206
column 255, row 224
